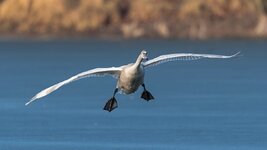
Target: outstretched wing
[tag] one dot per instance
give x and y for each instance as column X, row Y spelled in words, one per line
column 114, row 71
column 182, row 56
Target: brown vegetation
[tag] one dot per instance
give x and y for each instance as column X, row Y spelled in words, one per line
column 136, row 18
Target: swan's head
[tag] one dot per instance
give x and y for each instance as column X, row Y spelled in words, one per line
column 143, row 55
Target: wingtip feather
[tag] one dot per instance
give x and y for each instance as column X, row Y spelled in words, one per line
column 34, row 98
column 26, row 104
column 236, row 54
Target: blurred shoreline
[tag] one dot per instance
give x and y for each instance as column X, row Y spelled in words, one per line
column 189, row 19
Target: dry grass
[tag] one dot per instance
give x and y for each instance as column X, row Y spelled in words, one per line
column 165, row 18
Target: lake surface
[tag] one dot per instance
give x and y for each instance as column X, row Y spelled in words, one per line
column 204, row 104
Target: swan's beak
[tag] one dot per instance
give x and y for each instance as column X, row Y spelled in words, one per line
column 145, row 59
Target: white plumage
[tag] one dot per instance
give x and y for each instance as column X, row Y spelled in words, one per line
column 130, row 76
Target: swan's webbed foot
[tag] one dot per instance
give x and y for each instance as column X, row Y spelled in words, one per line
column 111, row 104
column 147, row 95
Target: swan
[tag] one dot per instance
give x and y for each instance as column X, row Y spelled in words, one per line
column 129, row 77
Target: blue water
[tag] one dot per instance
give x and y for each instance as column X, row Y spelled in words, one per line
column 200, row 105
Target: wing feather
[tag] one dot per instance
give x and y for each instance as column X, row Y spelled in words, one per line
column 114, row 71
column 182, row 56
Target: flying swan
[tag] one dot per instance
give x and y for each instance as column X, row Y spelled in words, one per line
column 129, row 77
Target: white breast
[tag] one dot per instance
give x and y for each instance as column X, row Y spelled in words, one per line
column 130, row 79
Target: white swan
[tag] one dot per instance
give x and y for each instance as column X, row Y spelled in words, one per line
column 129, row 77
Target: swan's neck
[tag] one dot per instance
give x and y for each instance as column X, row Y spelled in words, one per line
column 138, row 62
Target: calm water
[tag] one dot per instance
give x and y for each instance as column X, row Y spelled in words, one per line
column 205, row 104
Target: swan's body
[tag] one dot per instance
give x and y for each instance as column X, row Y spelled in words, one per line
column 129, row 77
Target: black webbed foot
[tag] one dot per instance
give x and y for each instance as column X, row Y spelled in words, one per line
column 111, row 104
column 147, row 95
